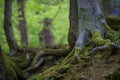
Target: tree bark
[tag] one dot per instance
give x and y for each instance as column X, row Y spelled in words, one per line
column 2, row 66
column 22, row 23
column 85, row 18
column 8, row 27
column 73, row 20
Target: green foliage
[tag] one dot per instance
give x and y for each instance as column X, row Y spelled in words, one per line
column 36, row 77
column 36, row 11
column 60, row 24
column 114, row 37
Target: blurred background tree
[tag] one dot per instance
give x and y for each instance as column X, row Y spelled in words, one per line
column 36, row 11
column 23, row 23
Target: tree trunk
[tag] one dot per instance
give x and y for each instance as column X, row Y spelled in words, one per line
column 73, row 20
column 85, row 18
column 23, row 24
column 2, row 66
column 8, row 27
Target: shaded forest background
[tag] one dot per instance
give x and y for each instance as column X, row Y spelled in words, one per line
column 35, row 12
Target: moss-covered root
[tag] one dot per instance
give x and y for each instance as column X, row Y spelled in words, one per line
column 39, row 58
column 14, row 65
column 56, row 71
column 10, row 69
column 59, row 69
column 97, row 39
column 108, row 28
column 76, row 55
column 69, row 57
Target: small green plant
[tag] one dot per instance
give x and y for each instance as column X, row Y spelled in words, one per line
column 35, row 77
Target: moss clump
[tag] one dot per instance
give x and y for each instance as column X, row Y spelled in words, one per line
column 98, row 39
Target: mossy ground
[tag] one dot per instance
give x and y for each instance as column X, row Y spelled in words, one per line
column 84, row 70
column 70, row 68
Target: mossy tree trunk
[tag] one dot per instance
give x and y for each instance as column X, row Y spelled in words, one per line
column 2, row 66
column 74, row 21
column 8, row 27
column 85, row 19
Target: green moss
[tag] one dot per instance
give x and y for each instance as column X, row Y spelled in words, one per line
column 115, row 38
column 21, row 60
column 14, row 65
column 98, row 39
column 77, row 54
column 106, row 26
column 69, row 57
column 113, row 22
column 10, row 69
column 36, row 77
column 52, row 73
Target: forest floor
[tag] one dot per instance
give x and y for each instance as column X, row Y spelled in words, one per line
column 101, row 69
column 108, row 69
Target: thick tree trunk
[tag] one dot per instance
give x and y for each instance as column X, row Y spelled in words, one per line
column 8, row 27
column 85, row 18
column 23, row 24
column 2, row 66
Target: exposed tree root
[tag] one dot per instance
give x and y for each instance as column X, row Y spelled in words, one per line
column 55, row 71
column 58, row 70
column 40, row 57
column 103, row 48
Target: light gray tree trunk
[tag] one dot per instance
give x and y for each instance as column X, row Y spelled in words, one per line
column 89, row 20
column 8, row 27
column 22, row 23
